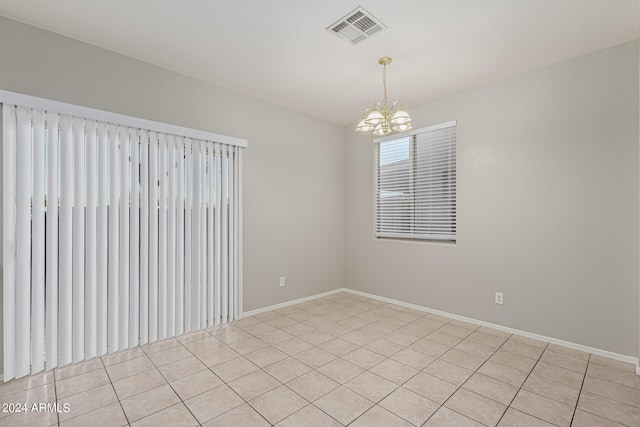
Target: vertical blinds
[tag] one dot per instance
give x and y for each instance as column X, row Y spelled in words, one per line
column 113, row 235
column 415, row 185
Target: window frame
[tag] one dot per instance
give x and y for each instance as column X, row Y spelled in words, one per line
column 412, row 217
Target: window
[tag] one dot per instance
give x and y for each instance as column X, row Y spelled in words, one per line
column 415, row 184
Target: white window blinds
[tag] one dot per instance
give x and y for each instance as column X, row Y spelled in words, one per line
column 415, row 184
column 116, row 232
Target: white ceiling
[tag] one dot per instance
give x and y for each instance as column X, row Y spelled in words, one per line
column 281, row 52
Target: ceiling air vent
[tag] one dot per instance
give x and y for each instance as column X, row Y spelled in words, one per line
column 356, row 26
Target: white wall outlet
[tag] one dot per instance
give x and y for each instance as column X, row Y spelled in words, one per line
column 282, row 281
column 499, row 298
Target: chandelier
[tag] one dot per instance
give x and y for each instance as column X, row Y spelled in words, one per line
column 381, row 119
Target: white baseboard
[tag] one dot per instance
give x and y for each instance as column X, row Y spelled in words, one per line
column 288, row 303
column 599, row 352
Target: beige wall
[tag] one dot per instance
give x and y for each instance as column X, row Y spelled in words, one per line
column 293, row 180
column 547, row 206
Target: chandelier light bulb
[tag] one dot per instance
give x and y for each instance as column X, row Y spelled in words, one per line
column 374, row 118
column 363, row 126
column 401, row 117
column 402, row 128
column 382, row 129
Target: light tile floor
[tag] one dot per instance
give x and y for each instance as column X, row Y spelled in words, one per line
column 338, row 360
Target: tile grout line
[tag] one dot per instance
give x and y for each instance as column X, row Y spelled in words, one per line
column 610, row 398
column 520, row 388
column 584, row 378
column 55, row 395
column 114, row 392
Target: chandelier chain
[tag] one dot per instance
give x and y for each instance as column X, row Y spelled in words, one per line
column 384, row 83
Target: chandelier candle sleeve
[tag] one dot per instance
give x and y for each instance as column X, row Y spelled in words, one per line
column 381, row 119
